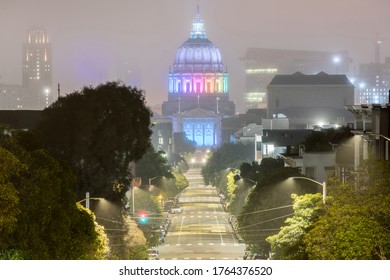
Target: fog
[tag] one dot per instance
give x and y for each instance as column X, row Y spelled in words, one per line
column 136, row 40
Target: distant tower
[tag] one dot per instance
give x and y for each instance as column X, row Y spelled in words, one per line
column 37, row 76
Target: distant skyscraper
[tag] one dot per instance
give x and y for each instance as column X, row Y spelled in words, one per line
column 37, row 72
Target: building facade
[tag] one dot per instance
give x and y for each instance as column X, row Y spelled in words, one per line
column 37, row 68
column 305, row 99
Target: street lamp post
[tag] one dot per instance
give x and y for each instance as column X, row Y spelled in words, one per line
column 136, row 182
column 323, row 184
column 87, row 199
column 150, row 180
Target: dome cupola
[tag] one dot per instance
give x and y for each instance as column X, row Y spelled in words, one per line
column 198, row 54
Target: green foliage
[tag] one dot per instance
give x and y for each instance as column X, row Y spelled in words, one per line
column 288, row 243
column 181, row 181
column 146, row 201
column 231, row 185
column 320, row 141
column 153, row 164
column 11, row 255
column 43, row 221
column 228, row 156
column 128, row 241
column 98, row 132
column 356, row 223
column 273, row 190
column 139, row 252
column 182, row 144
column 9, row 200
column 255, row 170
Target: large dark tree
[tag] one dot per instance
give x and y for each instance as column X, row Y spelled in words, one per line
column 40, row 218
column 153, row 164
column 98, row 132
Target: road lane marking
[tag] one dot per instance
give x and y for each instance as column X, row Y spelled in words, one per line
column 181, row 227
column 216, row 218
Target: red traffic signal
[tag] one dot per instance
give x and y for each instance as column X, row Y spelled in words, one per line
column 143, row 217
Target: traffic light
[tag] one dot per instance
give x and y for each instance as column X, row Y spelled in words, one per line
column 143, row 217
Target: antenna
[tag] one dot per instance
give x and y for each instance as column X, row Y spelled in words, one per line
column 59, row 90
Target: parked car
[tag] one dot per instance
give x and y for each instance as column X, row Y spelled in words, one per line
column 153, row 253
column 175, row 210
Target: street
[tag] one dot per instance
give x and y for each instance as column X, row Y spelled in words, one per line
column 201, row 230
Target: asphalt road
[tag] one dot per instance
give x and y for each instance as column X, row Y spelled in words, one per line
column 202, row 231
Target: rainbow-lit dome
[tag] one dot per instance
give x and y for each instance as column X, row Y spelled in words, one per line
column 198, row 66
column 198, row 53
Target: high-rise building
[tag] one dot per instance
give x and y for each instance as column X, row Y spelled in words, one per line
column 198, row 92
column 262, row 64
column 374, row 83
column 37, row 69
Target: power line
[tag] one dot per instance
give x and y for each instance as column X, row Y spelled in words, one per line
column 266, row 210
column 281, row 217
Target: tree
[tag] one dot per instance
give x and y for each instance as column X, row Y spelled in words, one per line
column 98, row 132
column 153, row 164
column 45, row 222
column 228, row 156
column 182, row 144
column 9, row 200
column 288, row 243
column 320, row 141
column 356, row 221
column 273, row 191
column 130, row 242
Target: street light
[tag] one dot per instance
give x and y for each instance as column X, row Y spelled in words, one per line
column 136, row 182
column 323, row 184
column 150, row 180
column 87, row 199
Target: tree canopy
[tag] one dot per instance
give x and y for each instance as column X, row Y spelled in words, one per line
column 98, row 132
column 268, row 205
column 182, row 144
column 356, row 222
column 288, row 243
column 40, row 218
column 227, row 156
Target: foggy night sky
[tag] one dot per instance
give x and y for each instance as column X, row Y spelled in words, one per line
column 94, row 41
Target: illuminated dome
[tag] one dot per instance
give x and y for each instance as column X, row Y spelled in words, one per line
column 198, row 53
column 198, row 66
